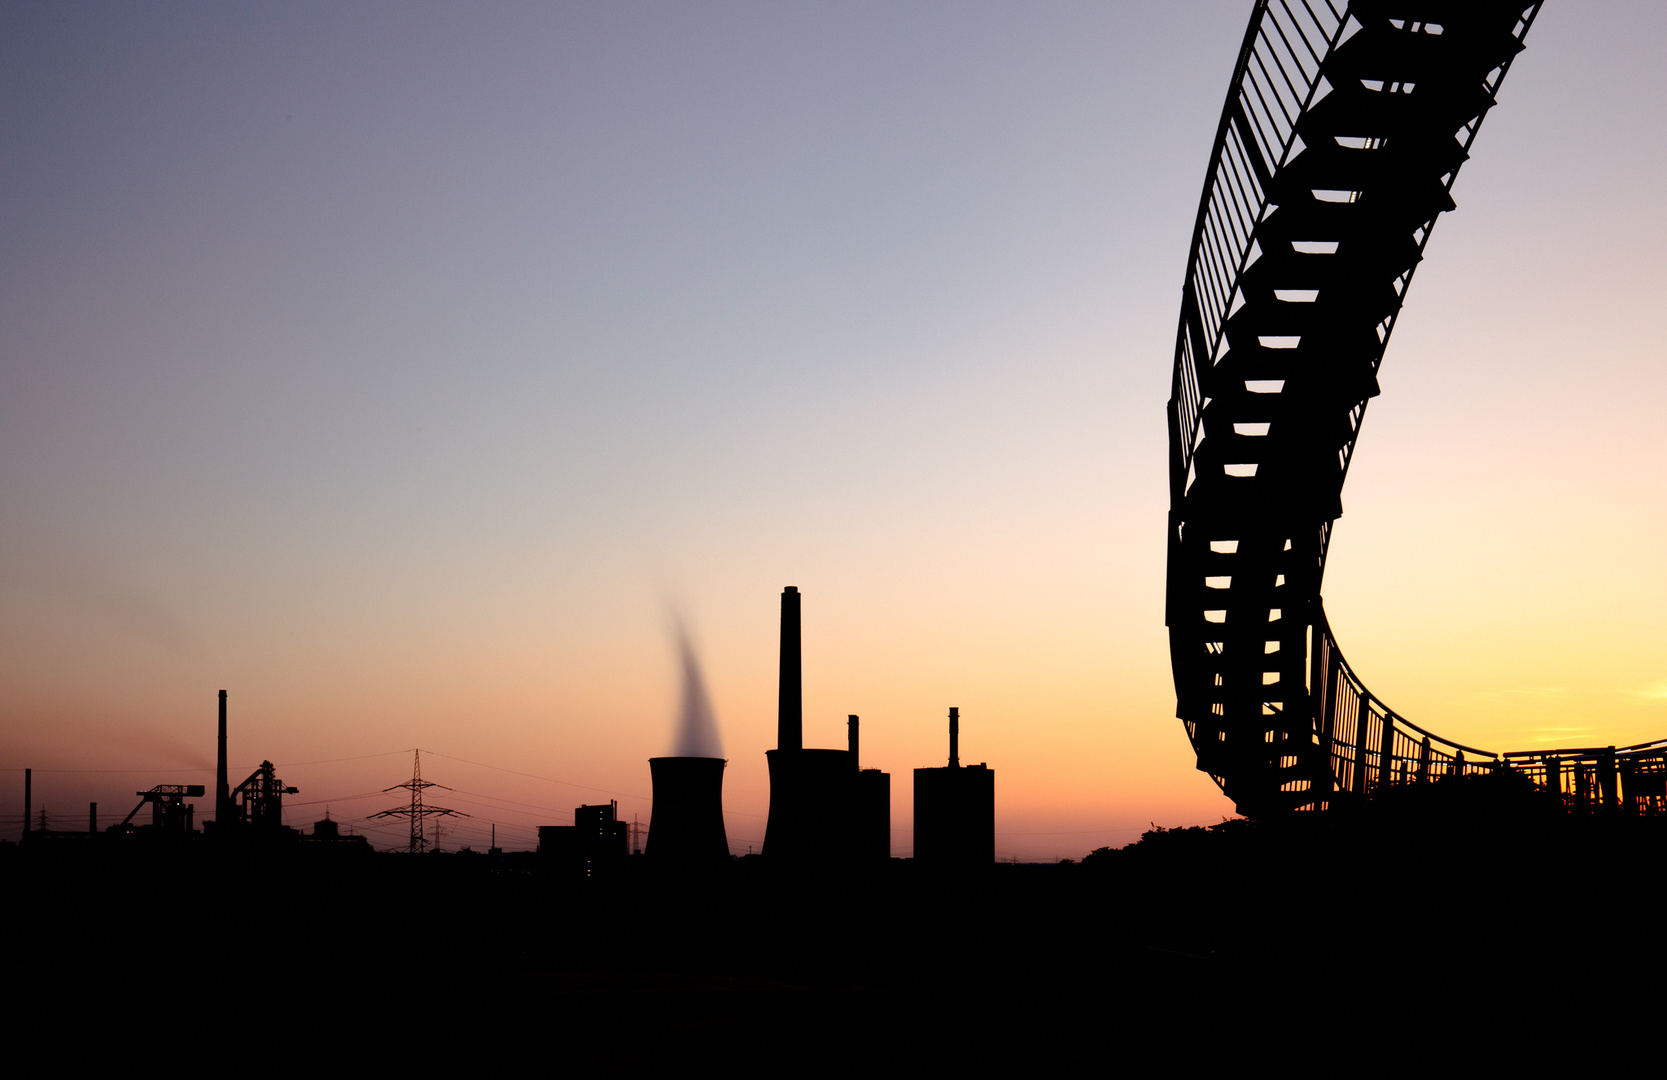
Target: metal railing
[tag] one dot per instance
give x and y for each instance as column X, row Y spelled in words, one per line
column 1276, row 79
column 1231, row 594
column 1628, row 779
column 1371, row 747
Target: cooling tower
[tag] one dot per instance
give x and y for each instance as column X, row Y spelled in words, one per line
column 686, row 824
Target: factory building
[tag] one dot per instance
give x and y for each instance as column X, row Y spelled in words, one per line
column 871, row 824
column 254, row 808
column 595, row 845
column 327, row 835
column 170, row 813
column 955, row 810
column 824, row 808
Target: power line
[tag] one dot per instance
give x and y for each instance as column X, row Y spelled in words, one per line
column 152, row 769
column 534, row 776
column 333, row 760
column 337, row 798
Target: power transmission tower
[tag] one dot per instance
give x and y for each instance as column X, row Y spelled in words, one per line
column 418, row 812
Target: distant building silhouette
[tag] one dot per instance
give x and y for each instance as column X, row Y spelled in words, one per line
column 871, row 815
column 170, row 813
column 593, row 846
column 257, row 804
column 253, row 808
column 820, row 800
column 327, row 835
column 955, row 810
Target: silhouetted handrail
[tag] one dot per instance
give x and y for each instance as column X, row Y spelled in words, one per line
column 1635, row 748
column 1360, row 688
column 1310, row 227
column 1627, row 779
column 1326, row 178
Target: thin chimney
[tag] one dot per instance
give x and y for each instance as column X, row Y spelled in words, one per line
column 851, row 730
column 92, row 818
column 28, row 795
column 954, row 737
column 222, row 790
column 790, row 711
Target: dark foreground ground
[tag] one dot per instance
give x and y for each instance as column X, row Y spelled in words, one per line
column 1328, row 944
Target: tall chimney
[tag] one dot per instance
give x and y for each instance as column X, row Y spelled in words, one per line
column 28, row 794
column 954, row 737
column 92, row 818
column 222, row 791
column 851, row 731
column 790, row 708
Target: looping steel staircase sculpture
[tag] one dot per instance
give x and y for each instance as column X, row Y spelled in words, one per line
column 1344, row 128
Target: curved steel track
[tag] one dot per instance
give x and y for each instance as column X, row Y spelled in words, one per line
column 1344, row 128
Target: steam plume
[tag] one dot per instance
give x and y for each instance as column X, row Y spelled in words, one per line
column 697, row 728
column 162, row 746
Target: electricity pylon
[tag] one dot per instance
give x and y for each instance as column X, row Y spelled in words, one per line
column 418, row 812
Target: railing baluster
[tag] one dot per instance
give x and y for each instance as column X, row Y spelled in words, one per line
column 1386, row 751
column 1606, row 779
column 1362, row 710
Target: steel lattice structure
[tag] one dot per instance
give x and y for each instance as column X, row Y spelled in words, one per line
column 1345, row 126
column 418, row 812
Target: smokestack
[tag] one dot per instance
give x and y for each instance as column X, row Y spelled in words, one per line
column 790, row 709
column 28, row 795
column 954, row 737
column 92, row 818
column 851, row 731
column 222, row 790
column 686, row 822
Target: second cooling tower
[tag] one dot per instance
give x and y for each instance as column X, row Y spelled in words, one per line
column 686, row 824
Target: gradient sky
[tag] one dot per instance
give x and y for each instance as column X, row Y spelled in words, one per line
column 409, row 371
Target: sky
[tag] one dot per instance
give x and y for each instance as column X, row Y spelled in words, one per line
column 422, row 375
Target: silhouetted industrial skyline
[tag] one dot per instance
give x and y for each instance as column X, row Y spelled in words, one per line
column 411, row 372
column 401, row 374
